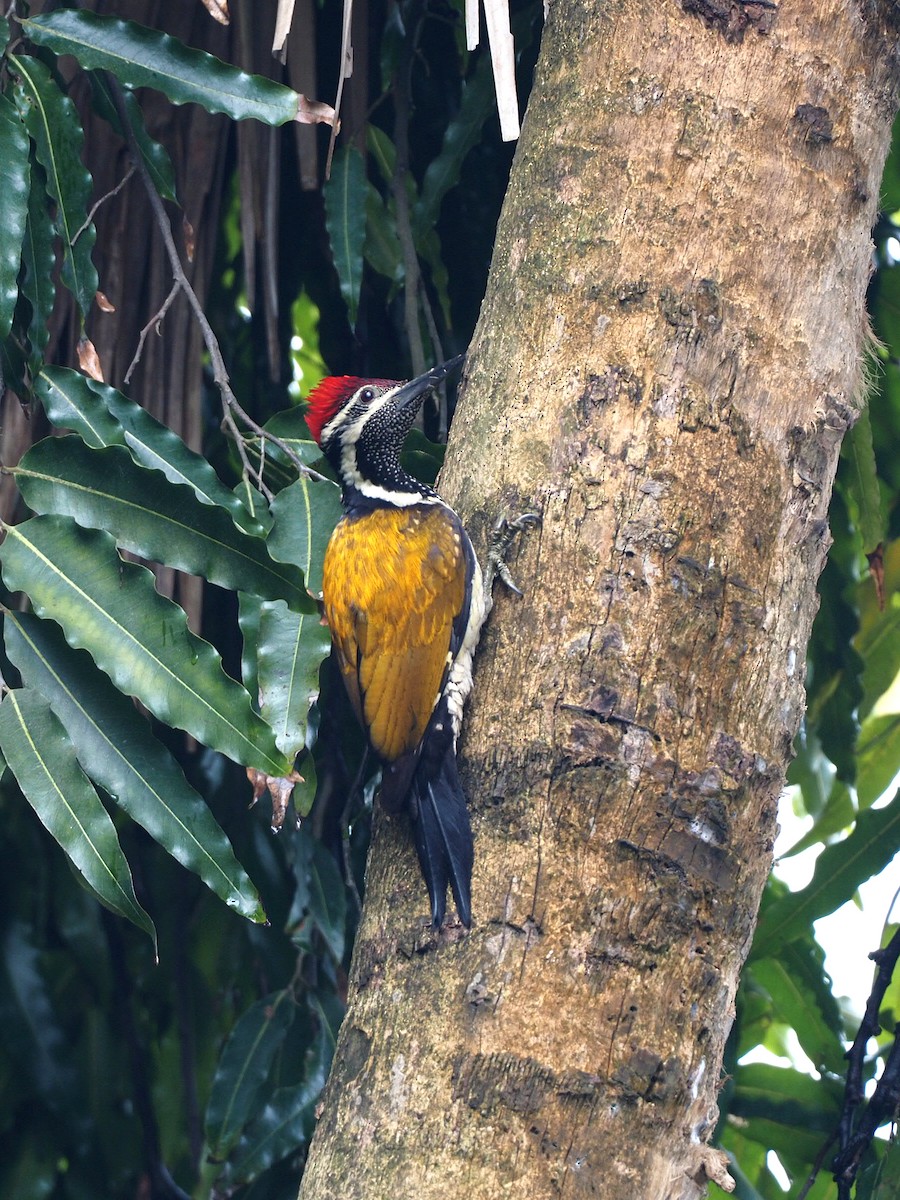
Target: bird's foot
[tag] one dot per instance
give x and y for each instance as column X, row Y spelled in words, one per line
column 501, row 539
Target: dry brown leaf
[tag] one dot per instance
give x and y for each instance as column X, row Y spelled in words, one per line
column 218, row 10
column 279, row 787
column 283, row 21
column 876, row 570
column 89, row 359
column 503, row 61
column 315, row 112
column 104, row 303
column 190, row 241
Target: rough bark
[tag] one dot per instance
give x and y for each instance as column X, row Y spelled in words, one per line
column 667, row 358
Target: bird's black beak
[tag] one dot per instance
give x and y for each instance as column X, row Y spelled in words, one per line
column 410, row 394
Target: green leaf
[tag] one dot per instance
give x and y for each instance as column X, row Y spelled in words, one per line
column 159, row 520
column 141, row 57
column 116, row 748
column 248, row 621
column 887, row 1185
column 71, row 404
column 290, row 650
column 327, row 898
column 838, row 813
column 104, row 417
column 111, row 609
column 284, row 1124
column 428, row 244
column 291, row 646
column 345, row 220
column 38, row 259
column 43, row 761
column 878, row 644
column 383, row 152
column 155, row 157
column 290, row 426
column 464, row 131
column 243, row 1069
column 840, row 869
column 329, row 1013
column 784, row 1109
column 796, row 1005
column 878, row 757
column 15, row 180
column 860, row 482
column 53, row 123
column 382, row 249
column 304, row 516
column 31, row 1025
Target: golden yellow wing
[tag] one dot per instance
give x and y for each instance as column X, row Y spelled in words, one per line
column 394, row 582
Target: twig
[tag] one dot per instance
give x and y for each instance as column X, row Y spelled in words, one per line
column 154, row 322
column 437, row 356
column 103, row 199
column 220, row 372
column 883, row 1104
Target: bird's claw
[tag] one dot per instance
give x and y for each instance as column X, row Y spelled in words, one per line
column 501, row 539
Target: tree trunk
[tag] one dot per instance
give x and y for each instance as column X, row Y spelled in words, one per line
column 667, row 358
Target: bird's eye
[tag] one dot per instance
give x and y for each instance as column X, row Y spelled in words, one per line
column 367, row 394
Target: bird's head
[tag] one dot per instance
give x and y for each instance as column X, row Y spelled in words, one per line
column 361, row 424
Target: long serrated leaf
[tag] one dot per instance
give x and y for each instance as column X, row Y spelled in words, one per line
column 53, row 123
column 141, row 57
column 285, row 1123
column 248, row 621
column 15, row 182
column 382, row 248
column 290, row 426
column 838, row 813
column 159, row 520
column 102, row 416
column 291, row 646
column 840, row 869
column 464, row 131
column 155, row 157
column 796, row 1005
column 141, row 640
column 304, row 516
column 38, row 258
column 878, row 645
column 383, row 152
column 802, row 1100
column 877, row 757
column 861, row 484
column 289, row 652
column 42, row 758
column 345, row 221
column 243, row 1067
column 116, row 748
column 34, row 1034
column 327, row 899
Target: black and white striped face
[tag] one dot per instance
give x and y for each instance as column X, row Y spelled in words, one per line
column 361, row 425
column 364, row 439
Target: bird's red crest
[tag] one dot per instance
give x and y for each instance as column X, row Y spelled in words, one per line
column 329, row 396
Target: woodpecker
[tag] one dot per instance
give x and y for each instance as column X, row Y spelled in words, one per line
column 405, row 601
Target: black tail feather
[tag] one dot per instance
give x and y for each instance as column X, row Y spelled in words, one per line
column 444, row 839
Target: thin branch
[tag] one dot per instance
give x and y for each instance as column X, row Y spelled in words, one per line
column 154, row 323
column 220, row 373
column 855, row 1136
column 103, row 199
